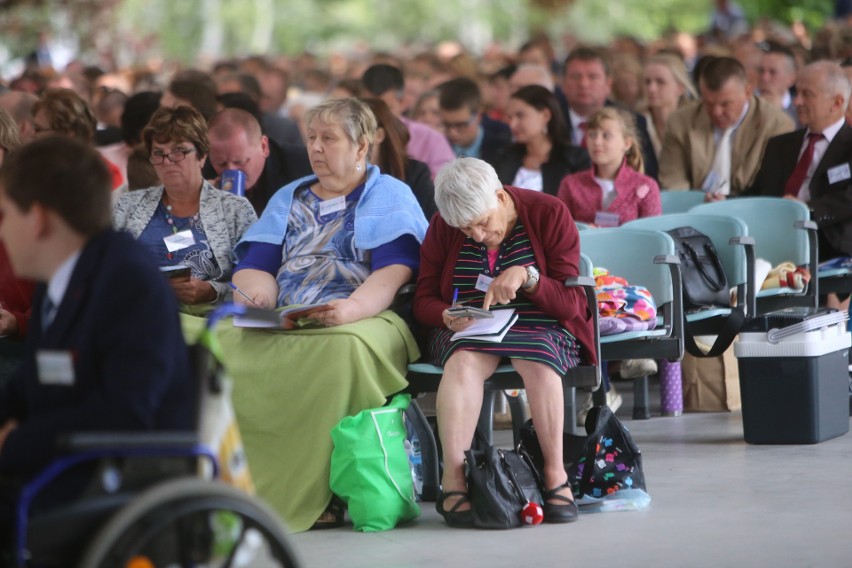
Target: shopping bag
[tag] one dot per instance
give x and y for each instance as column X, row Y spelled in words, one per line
column 370, row 468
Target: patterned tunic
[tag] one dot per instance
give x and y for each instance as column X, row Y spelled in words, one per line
column 534, row 337
column 319, row 260
column 198, row 256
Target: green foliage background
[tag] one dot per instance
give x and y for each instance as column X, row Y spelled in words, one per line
column 186, row 30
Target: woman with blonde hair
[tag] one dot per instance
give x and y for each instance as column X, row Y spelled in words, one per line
column 614, row 190
column 667, row 85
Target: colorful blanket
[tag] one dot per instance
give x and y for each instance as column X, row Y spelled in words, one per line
column 622, row 306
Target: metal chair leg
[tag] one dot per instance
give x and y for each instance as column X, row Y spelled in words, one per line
column 641, row 409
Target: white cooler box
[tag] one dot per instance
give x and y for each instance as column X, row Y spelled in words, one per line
column 794, row 376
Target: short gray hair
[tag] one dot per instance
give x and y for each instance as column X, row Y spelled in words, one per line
column 465, row 189
column 356, row 118
column 835, row 81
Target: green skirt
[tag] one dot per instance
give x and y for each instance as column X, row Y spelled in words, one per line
column 292, row 387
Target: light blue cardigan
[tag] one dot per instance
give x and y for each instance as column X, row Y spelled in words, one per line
column 386, row 210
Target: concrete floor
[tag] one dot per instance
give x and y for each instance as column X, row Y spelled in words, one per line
column 716, row 502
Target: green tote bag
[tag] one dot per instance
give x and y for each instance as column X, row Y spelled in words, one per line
column 370, row 468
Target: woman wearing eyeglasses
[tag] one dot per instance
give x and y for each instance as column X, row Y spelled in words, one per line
column 185, row 221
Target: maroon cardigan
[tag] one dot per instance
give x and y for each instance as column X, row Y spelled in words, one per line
column 556, row 249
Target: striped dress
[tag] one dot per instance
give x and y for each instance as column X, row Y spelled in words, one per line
column 534, row 337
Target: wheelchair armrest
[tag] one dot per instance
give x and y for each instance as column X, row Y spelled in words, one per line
column 128, row 441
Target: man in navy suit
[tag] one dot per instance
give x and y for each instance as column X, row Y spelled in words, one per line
column 105, row 350
column 813, row 164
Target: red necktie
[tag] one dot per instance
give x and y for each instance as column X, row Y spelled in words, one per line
column 794, row 184
column 584, row 128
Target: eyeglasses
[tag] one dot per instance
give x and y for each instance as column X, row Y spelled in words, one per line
column 459, row 125
column 175, row 156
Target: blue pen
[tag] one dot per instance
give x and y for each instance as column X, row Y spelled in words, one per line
column 455, row 295
column 241, row 293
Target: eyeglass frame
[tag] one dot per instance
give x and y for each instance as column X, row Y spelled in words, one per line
column 172, row 156
column 460, row 125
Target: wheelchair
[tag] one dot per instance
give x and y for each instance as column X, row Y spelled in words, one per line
column 149, row 499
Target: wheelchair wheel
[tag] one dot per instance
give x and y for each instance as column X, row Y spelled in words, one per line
column 191, row 523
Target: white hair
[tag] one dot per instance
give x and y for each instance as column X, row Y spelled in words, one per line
column 465, row 189
column 835, row 80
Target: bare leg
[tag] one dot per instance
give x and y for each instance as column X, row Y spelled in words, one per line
column 544, row 392
column 458, row 405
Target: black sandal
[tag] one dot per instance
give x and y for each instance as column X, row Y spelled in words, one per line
column 332, row 517
column 455, row 518
column 559, row 513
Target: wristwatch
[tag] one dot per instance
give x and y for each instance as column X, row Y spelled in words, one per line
column 533, row 276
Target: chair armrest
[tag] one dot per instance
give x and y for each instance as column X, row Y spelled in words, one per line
column 806, row 225
column 743, row 240
column 674, row 320
column 813, row 250
column 751, row 286
column 580, row 281
column 588, row 284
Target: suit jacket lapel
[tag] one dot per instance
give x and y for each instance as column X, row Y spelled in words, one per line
column 75, row 295
column 702, row 145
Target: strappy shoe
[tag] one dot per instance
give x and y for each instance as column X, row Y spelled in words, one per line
column 333, row 516
column 455, row 518
column 559, row 513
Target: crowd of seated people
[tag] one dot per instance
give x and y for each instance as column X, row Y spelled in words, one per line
column 340, row 192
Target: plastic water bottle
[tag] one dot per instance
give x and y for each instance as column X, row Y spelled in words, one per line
column 412, row 449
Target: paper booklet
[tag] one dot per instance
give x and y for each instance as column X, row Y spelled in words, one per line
column 493, row 329
column 291, row 317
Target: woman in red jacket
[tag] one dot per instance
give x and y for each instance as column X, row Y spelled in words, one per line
column 501, row 247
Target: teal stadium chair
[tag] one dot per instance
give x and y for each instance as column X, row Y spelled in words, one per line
column 782, row 232
column 675, row 201
column 735, row 248
column 643, row 258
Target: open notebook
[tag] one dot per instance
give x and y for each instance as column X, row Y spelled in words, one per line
column 493, row 329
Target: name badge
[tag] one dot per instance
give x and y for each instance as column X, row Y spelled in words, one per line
column 179, row 241
column 55, row 367
column 838, row 173
column 330, row 206
column 483, row 282
column 606, row 219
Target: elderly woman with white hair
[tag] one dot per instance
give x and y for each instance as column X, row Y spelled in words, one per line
column 502, row 247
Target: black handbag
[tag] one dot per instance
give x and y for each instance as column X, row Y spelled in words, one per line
column 500, row 483
column 704, row 280
column 705, row 286
column 603, row 462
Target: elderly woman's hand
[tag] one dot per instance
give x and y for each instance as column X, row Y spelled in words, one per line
column 504, row 288
column 342, row 311
column 193, row 291
column 455, row 323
